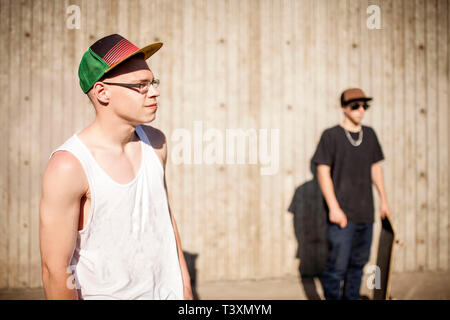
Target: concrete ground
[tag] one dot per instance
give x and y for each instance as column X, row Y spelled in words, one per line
column 405, row 286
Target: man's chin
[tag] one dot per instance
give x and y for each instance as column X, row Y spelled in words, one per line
column 357, row 121
column 150, row 118
column 144, row 120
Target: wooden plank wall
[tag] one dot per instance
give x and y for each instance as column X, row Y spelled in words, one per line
column 254, row 64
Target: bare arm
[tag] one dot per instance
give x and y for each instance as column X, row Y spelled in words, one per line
column 63, row 186
column 337, row 216
column 378, row 181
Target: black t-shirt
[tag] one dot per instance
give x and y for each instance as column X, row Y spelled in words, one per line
column 351, row 170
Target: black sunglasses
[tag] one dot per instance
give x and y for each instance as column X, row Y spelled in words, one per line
column 356, row 105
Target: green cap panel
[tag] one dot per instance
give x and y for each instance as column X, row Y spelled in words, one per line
column 91, row 69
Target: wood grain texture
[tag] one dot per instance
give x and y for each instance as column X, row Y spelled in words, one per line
column 443, row 29
column 4, row 158
column 257, row 64
column 398, row 195
column 410, row 135
column 421, row 134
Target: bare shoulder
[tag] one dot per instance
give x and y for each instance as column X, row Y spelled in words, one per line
column 158, row 141
column 64, row 174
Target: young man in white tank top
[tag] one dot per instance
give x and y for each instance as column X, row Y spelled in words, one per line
column 106, row 230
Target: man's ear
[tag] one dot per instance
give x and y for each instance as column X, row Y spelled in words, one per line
column 101, row 93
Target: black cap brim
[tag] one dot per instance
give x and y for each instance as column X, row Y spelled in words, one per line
column 358, row 99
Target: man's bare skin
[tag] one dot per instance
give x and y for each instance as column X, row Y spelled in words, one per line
column 114, row 144
column 159, row 145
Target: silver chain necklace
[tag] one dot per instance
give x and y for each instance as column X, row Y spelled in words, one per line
column 351, row 140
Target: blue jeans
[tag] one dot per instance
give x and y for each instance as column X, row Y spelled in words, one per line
column 349, row 251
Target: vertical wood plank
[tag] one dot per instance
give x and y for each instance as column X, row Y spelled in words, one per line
column 312, row 94
column 58, row 106
column 66, row 93
column 264, row 203
column 237, row 251
column 248, row 171
column 201, row 176
column 410, row 181
column 431, row 50
column 14, row 114
column 36, row 176
column 220, row 73
column 354, row 46
column 88, row 23
column 5, row 21
column 25, row 156
column 122, row 19
column 274, row 111
column 397, row 199
column 210, row 105
column 421, row 136
column 332, row 114
column 253, row 77
column 443, row 101
column 342, row 59
column 134, row 21
column 191, row 91
column 287, row 144
column 82, row 109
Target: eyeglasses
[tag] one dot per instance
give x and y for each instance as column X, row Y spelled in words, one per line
column 143, row 87
column 357, row 105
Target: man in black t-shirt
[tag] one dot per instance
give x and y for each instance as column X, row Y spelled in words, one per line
column 347, row 159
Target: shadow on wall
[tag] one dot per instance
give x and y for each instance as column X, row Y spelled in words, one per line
column 190, row 261
column 310, row 226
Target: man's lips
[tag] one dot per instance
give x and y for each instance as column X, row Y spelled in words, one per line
column 153, row 106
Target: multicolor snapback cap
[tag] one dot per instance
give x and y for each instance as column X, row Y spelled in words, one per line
column 107, row 53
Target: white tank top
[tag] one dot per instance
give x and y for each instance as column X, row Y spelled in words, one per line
column 127, row 249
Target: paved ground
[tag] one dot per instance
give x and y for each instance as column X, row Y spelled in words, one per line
column 404, row 286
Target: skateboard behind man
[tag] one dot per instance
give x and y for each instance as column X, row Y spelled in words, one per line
column 385, row 259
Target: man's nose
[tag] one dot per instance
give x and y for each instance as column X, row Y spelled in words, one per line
column 153, row 92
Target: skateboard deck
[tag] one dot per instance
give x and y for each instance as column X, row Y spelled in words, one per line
column 385, row 259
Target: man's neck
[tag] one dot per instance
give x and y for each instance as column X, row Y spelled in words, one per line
column 112, row 135
column 350, row 125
